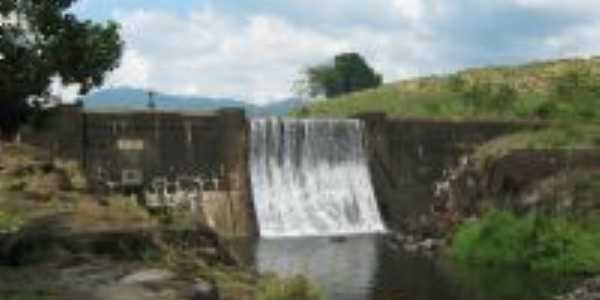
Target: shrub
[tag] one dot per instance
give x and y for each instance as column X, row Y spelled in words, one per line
column 532, row 241
column 9, row 222
column 295, row 288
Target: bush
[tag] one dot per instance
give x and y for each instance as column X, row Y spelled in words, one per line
column 536, row 242
column 295, row 288
column 9, row 222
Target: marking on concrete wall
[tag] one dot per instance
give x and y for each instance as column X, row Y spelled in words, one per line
column 130, row 144
column 188, row 132
column 131, row 177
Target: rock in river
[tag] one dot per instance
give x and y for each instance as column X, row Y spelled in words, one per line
column 204, row 290
column 147, row 276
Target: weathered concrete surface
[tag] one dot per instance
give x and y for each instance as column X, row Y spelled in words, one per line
column 60, row 132
column 524, row 180
column 169, row 158
column 204, row 159
column 157, row 145
column 408, row 156
column 227, row 212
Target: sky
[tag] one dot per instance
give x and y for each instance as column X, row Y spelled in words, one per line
column 254, row 50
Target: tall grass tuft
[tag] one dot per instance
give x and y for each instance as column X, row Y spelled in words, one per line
column 9, row 222
column 294, row 288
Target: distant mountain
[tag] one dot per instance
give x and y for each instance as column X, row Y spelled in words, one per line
column 124, row 98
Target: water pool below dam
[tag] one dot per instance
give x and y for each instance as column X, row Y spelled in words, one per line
column 369, row 267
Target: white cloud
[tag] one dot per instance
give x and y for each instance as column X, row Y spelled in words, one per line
column 561, row 5
column 410, row 9
column 256, row 58
column 255, row 51
column 134, row 70
column 577, row 41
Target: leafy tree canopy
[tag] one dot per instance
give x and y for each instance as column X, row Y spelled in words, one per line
column 41, row 40
column 349, row 72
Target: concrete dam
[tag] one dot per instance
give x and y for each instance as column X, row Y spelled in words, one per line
column 273, row 177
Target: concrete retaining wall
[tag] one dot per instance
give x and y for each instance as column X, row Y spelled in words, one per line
column 408, row 156
column 170, row 159
column 177, row 157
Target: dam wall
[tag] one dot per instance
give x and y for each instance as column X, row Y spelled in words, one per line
column 175, row 158
column 409, row 156
column 168, row 159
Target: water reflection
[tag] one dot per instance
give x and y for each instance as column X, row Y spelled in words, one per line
column 343, row 270
column 369, row 268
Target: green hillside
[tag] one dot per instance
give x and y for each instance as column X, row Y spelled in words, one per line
column 567, row 89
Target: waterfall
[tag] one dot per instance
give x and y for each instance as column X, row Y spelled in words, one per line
column 310, row 178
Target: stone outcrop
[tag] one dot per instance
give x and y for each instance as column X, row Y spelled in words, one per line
column 227, row 212
column 45, row 243
column 521, row 180
column 588, row 290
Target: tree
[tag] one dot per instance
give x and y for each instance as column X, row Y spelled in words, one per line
column 348, row 73
column 40, row 41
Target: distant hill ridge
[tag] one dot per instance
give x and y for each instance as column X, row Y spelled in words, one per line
column 124, row 98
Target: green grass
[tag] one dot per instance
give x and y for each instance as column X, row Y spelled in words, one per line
column 294, row 288
column 241, row 284
column 9, row 222
column 553, row 90
column 553, row 244
column 392, row 101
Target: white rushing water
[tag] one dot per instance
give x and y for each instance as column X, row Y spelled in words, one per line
column 310, row 178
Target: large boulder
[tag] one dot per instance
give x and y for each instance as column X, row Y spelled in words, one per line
column 204, row 290
column 589, row 290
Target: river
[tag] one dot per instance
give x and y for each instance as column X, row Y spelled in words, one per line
column 372, row 268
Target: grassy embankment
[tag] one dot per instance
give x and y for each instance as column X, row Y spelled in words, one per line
column 553, row 90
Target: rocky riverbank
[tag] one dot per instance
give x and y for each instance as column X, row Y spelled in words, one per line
column 102, row 280
column 59, row 241
column 588, row 290
column 150, row 263
column 415, row 244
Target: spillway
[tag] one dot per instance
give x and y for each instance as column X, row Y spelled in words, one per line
column 310, row 177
